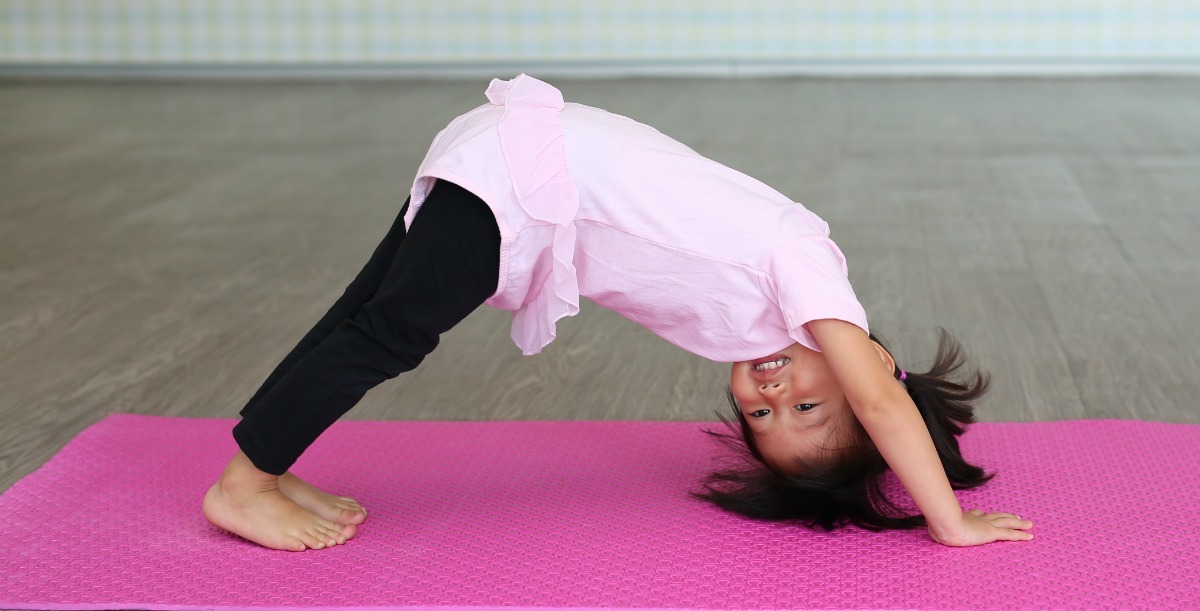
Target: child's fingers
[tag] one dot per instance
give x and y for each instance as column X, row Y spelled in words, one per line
column 1000, row 515
column 1008, row 534
column 1011, row 522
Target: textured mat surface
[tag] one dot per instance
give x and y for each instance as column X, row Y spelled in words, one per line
column 591, row 514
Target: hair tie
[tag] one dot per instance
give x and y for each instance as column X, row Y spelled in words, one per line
column 903, row 375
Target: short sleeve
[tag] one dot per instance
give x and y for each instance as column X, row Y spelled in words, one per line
column 811, row 283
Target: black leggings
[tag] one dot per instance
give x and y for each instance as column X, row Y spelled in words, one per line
column 413, row 289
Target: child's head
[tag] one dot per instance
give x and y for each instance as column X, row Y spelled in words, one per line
column 795, row 411
column 810, row 460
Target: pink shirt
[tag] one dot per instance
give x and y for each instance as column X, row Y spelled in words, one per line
column 595, row 204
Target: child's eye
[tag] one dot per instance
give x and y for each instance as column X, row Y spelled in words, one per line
column 760, row 413
column 804, row 407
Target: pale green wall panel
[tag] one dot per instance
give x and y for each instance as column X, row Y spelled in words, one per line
column 481, row 31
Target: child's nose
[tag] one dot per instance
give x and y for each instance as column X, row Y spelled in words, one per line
column 770, row 388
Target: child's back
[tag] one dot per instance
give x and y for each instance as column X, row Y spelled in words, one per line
column 596, row 204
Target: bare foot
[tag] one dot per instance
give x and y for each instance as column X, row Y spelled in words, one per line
column 340, row 509
column 248, row 503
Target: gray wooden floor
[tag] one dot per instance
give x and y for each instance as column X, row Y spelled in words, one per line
column 162, row 245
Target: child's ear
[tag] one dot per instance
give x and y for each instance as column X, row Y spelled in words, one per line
column 886, row 357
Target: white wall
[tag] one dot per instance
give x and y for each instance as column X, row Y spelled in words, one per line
column 619, row 36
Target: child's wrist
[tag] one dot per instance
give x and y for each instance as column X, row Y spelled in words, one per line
column 945, row 530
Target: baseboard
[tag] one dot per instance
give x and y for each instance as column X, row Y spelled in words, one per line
column 1045, row 67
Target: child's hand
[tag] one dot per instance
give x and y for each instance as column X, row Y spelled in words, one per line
column 977, row 529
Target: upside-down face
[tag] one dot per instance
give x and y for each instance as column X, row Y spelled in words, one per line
column 794, row 406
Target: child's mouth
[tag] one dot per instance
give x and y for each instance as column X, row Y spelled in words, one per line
column 771, row 362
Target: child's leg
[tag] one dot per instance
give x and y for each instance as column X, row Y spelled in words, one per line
column 339, row 509
column 445, row 268
column 359, row 292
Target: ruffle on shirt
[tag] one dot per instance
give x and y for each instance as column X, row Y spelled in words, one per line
column 531, row 138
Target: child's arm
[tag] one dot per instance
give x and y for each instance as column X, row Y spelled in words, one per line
column 895, row 426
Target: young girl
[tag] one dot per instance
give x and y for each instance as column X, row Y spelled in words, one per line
column 528, row 203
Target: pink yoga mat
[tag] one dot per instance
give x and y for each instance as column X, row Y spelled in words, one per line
column 589, row 515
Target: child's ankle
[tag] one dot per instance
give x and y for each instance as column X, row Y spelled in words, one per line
column 241, row 471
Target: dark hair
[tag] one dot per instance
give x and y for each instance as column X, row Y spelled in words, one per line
column 849, row 487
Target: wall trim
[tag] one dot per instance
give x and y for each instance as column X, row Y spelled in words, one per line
column 1043, row 67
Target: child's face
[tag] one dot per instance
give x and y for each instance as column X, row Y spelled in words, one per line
column 793, row 404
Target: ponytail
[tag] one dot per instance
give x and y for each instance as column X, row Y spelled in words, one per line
column 944, row 395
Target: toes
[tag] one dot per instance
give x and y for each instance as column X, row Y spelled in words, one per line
column 311, row 540
column 334, row 530
column 349, row 505
column 320, row 536
column 331, row 536
column 350, row 516
column 347, row 530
